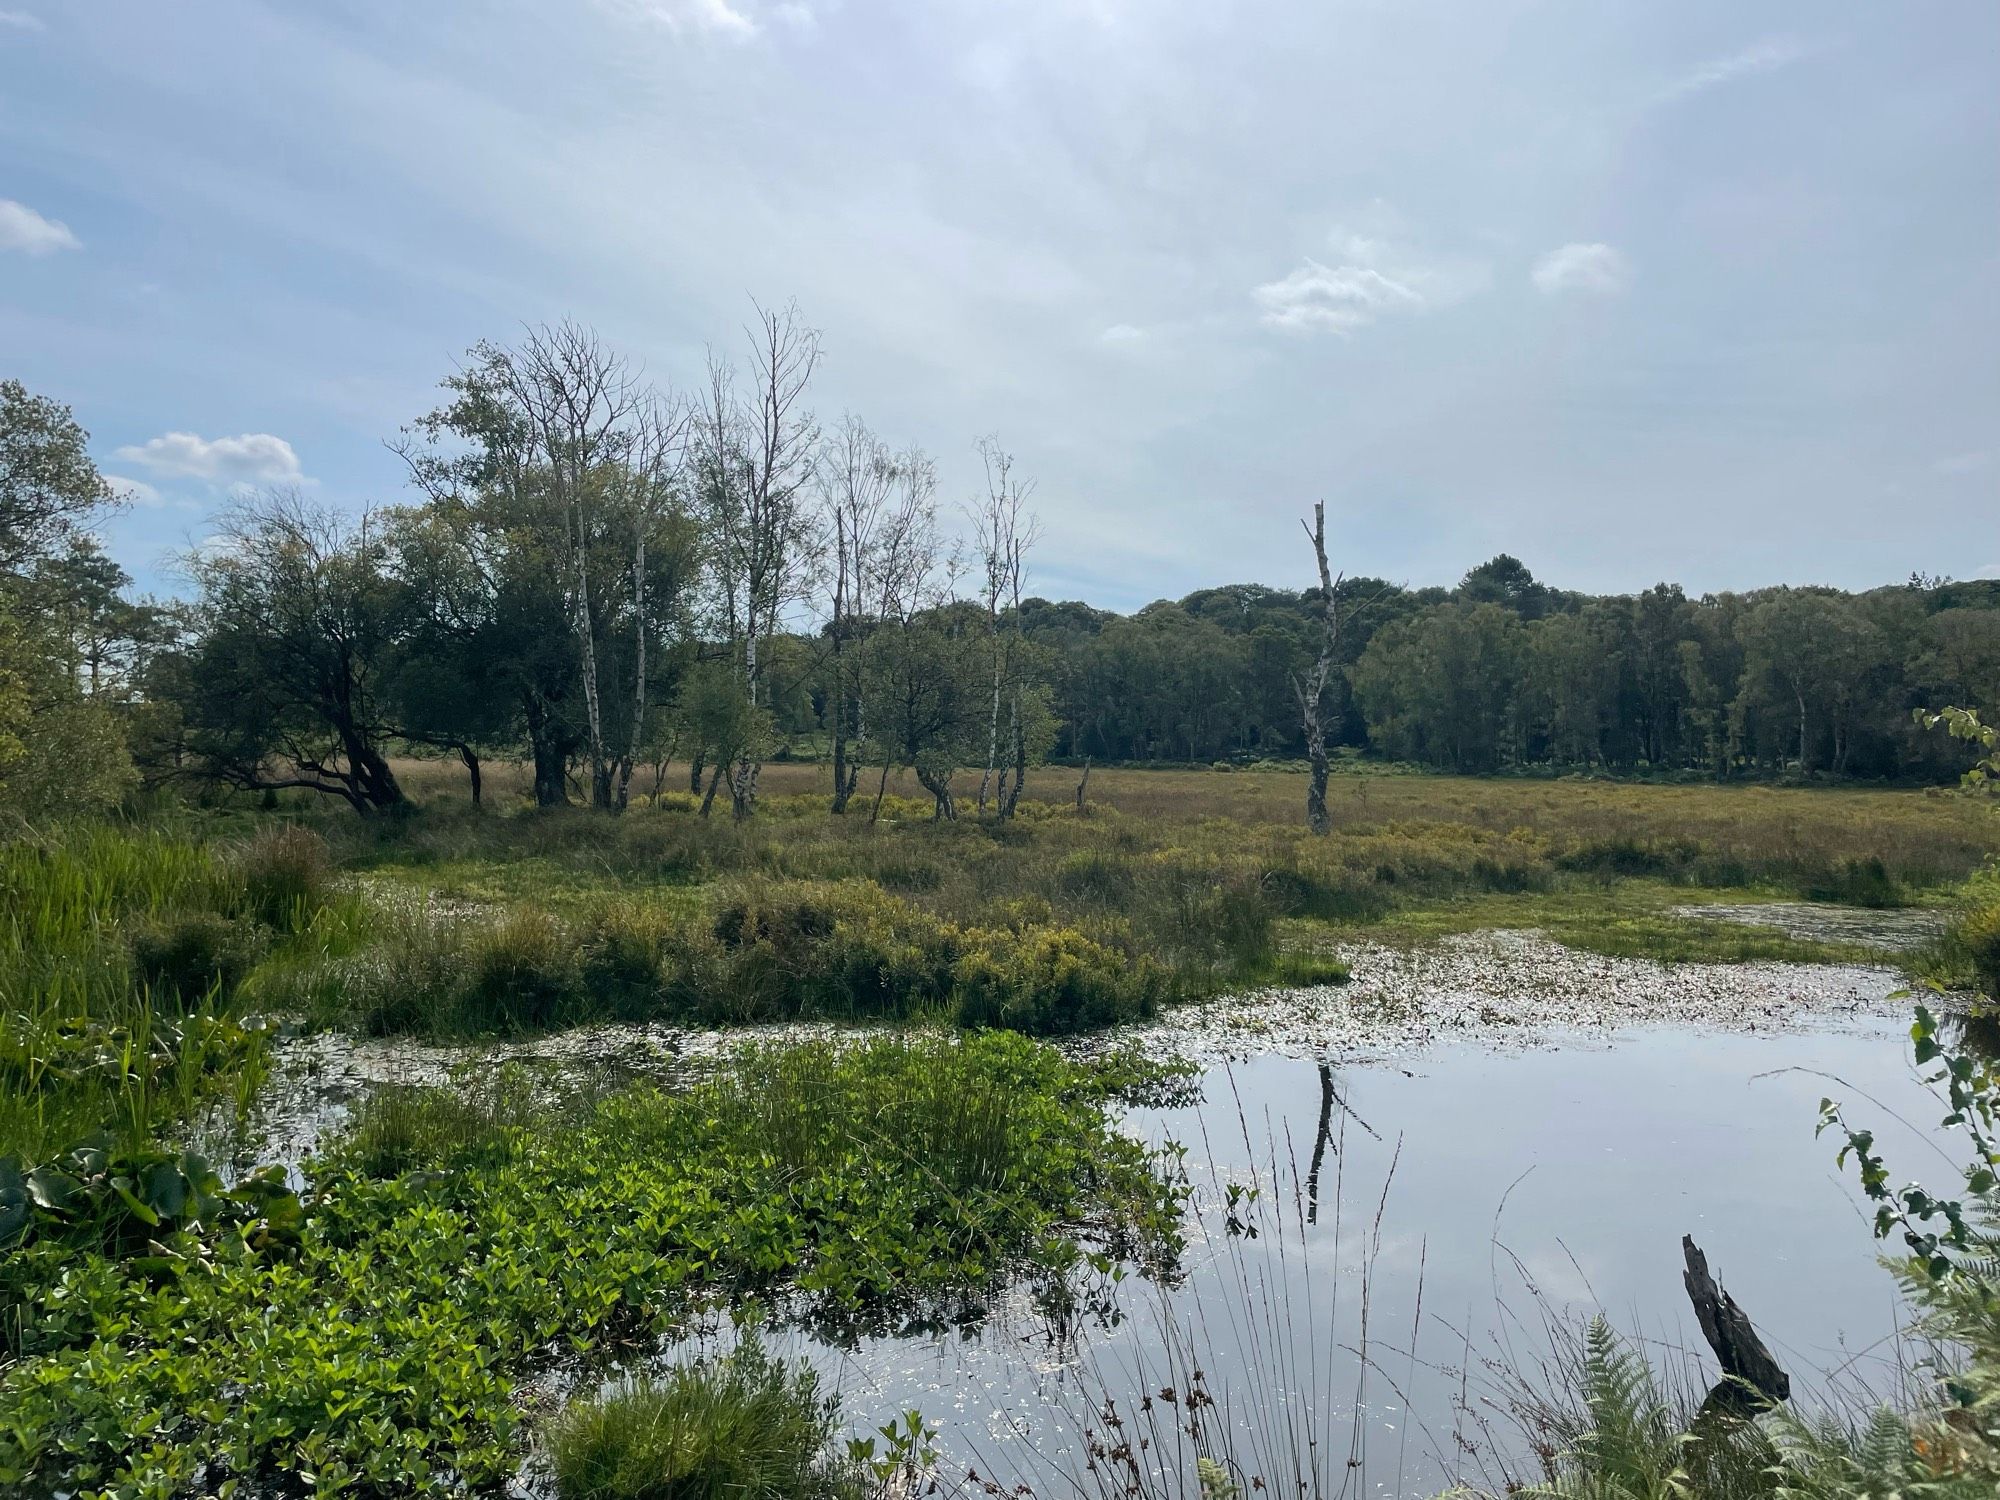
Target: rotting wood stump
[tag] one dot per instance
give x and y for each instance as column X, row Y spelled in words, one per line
column 1744, row 1359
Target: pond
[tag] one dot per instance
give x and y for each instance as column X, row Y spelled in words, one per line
column 1508, row 1135
column 1464, row 1199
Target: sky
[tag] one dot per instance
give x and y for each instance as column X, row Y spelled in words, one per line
column 1703, row 291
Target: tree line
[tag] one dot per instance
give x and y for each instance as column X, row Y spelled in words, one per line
column 605, row 577
column 1503, row 673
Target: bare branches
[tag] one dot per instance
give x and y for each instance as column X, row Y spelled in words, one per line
column 756, row 447
column 1003, row 531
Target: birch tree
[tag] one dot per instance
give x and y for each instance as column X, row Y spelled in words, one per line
column 562, row 464
column 857, row 477
column 756, row 442
column 1003, row 530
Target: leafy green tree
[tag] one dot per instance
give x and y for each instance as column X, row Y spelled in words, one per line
column 68, row 637
column 1441, row 686
column 1819, row 654
column 558, row 551
column 300, row 619
column 49, row 488
column 928, row 686
column 1570, row 684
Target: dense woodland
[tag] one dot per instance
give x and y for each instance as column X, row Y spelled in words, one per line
column 601, row 576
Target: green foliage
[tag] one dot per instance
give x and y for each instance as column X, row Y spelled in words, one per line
column 127, row 966
column 72, row 760
column 287, row 875
column 1971, row 1090
column 1977, row 936
column 115, row 1201
column 378, row 1356
column 1984, row 738
column 743, row 1426
column 192, row 957
column 1623, row 1442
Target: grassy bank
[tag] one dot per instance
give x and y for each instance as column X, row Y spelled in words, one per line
column 132, row 961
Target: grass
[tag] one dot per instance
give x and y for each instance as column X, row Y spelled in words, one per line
column 130, row 959
column 436, row 1262
column 1622, row 919
column 740, row 1427
column 123, row 955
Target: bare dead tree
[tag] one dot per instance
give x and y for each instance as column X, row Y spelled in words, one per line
column 909, row 573
column 1741, row 1353
column 1003, row 531
column 757, row 450
column 1311, row 688
column 856, row 477
column 651, row 477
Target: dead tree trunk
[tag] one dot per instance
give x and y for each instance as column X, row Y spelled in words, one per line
column 631, row 755
column 1726, row 1326
column 1320, row 1140
column 471, row 759
column 1311, row 688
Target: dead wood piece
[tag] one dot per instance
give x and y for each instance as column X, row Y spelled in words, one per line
column 1726, row 1326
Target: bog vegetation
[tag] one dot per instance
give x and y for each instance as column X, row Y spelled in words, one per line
column 656, row 707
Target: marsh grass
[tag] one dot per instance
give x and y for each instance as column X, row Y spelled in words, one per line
column 1618, row 919
column 124, row 960
column 1966, row 956
column 742, row 1426
column 1060, row 921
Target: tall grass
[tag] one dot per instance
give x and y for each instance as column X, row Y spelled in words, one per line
column 124, row 955
column 743, row 1426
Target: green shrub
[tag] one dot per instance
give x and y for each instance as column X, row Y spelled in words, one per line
column 743, row 1426
column 523, row 973
column 192, row 957
column 1094, row 876
column 286, row 872
column 1051, row 981
column 1855, row 882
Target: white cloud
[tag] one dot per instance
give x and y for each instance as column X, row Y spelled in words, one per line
column 21, row 228
column 1122, row 333
column 713, row 17
column 254, row 458
column 1596, row 269
column 1962, row 463
column 134, row 491
column 1766, row 56
column 1368, row 277
column 20, row 20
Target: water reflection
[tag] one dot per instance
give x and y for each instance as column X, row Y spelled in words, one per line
column 1413, row 1230
column 1974, row 1031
